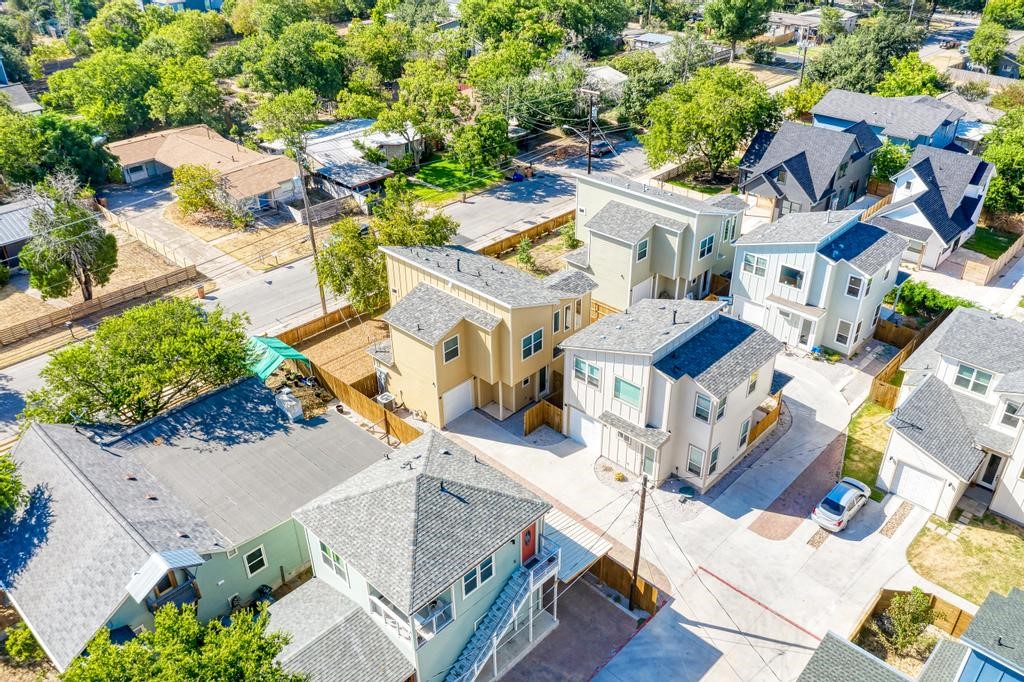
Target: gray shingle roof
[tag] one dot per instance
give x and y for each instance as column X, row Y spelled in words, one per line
column 652, row 437
column 729, row 202
column 579, row 257
column 645, row 327
column 998, row 627
column 981, row 339
column 19, row 99
column 800, row 228
column 721, row 356
column 428, row 314
column 14, row 221
column 903, row 117
column 839, row 660
column 932, row 420
column 488, row 276
column 382, row 350
column 569, row 281
column 333, row 639
column 413, row 524
column 944, row 663
column 908, row 230
column 628, row 223
column 866, row 247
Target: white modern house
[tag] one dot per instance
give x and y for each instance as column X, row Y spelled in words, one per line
column 816, row 279
column 956, row 427
column 669, row 388
column 936, row 203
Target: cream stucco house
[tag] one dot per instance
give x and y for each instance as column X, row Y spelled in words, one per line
column 816, row 279
column 956, row 428
column 469, row 331
column 640, row 242
column 670, row 388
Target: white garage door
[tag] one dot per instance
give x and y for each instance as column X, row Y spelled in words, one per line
column 458, row 401
column 917, row 486
column 752, row 313
column 642, row 290
column 583, row 429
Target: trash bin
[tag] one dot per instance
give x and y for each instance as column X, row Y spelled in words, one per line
column 200, row 291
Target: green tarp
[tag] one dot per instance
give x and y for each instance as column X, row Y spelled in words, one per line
column 270, row 353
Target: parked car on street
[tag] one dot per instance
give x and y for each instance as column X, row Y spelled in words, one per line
column 845, row 499
column 601, row 148
column 949, row 44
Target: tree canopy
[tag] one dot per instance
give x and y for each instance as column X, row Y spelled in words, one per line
column 910, row 76
column 381, row 45
column 308, row 54
column 139, row 362
column 483, row 143
column 736, row 20
column 988, row 44
column 185, row 93
column 798, row 101
column 859, row 60
column 286, row 116
column 11, row 489
column 687, row 52
column 889, row 160
column 1004, row 148
column 1010, row 97
column 1009, row 13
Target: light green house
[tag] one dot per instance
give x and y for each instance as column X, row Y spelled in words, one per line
column 434, row 564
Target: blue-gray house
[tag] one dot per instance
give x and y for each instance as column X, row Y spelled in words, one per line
column 914, row 120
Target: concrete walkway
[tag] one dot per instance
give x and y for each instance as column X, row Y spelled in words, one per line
column 1001, row 295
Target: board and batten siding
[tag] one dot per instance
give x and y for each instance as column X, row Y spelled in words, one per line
column 595, row 400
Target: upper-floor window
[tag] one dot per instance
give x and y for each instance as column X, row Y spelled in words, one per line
column 781, row 175
column 333, row 561
column 706, row 246
column 713, row 464
column 842, row 169
column 584, row 371
column 972, row 379
column 721, row 410
column 787, row 206
column 752, row 383
column 451, row 349
column 641, row 250
column 567, row 317
column 744, row 432
column 888, row 271
column 477, row 576
column 856, row 331
column 695, row 460
column 255, row 561
column 627, row 392
column 791, row 277
column 853, row 286
column 1011, row 414
column 755, row 264
column 702, row 408
column 532, row 343
column 877, row 315
column 556, row 322
column 867, row 287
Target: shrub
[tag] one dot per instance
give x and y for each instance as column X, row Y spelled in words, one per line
column 917, row 298
column 972, row 91
column 568, row 234
column 524, row 254
column 5, row 275
column 21, row 645
column 906, row 619
column 196, row 187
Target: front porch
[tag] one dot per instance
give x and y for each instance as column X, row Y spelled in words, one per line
column 975, row 500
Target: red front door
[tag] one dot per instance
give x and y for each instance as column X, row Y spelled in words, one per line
column 529, row 542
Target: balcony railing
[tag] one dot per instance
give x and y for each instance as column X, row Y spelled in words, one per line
column 392, row 618
column 185, row 593
column 429, row 625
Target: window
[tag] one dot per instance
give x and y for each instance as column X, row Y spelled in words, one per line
column 713, row 464
column 334, row 561
column 625, row 438
column 755, row 264
column 706, row 246
column 477, row 576
column 695, row 461
column 853, row 286
column 721, row 410
column 532, row 343
column 888, row 271
column 867, row 289
column 972, row 379
column 856, row 332
column 843, row 333
column 641, row 250
column 584, row 371
column 744, row 432
column 781, row 176
column 526, row 381
column 791, row 277
column 627, row 392
column 702, row 408
column 787, row 206
column 556, row 322
column 1011, row 415
column 728, row 230
column 566, row 317
column 877, row 315
column 167, row 583
column 255, row 561
column 842, row 169
column 136, row 169
column 752, row 383
column 451, row 349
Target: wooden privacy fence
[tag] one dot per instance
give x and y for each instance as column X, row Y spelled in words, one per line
column 769, row 420
column 894, row 334
column 882, row 392
column 540, row 414
column 91, row 307
column 948, row 617
column 389, row 422
column 618, row 577
column 880, row 188
column 983, row 272
column 599, row 310
column 876, row 207
column 343, row 315
column 165, row 251
column 531, row 233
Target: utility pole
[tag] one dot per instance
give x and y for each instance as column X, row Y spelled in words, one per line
column 590, row 127
column 803, row 59
column 910, row 16
column 639, row 536
column 300, row 155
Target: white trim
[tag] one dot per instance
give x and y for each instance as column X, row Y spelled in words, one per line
column 849, row 332
column 533, row 352
column 458, row 349
column 245, row 560
column 232, row 553
column 476, row 571
column 696, row 403
column 640, row 400
column 803, row 276
column 647, row 250
column 860, row 287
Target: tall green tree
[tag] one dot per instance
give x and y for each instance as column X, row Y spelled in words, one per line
column 1009, row 13
column 119, row 23
column 181, row 648
column 483, row 143
column 736, row 20
column 185, row 93
column 15, row 64
column 12, row 491
column 68, row 244
column 594, row 26
column 988, row 44
column 21, row 147
column 31, row 146
column 270, row 17
column 1010, row 97
column 140, row 362
column 491, row 21
column 192, row 33
column 1004, row 148
column 286, row 117
column 889, row 160
column 352, row 265
column 831, row 23
column 308, row 54
column 859, row 60
column 687, row 52
column 797, row 102
column 382, row 45
column 910, row 76
column 708, row 117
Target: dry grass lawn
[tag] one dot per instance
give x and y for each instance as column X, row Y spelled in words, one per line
column 135, row 263
column 342, row 350
column 547, row 255
column 267, row 248
column 865, row 445
column 988, row 556
column 203, row 229
column 17, row 307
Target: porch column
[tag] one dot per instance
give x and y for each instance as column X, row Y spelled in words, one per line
column 501, row 401
column 494, row 642
column 531, row 615
column 555, row 603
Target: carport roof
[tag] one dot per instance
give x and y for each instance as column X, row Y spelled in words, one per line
column 580, row 546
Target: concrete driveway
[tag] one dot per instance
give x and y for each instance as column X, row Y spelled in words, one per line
column 745, row 607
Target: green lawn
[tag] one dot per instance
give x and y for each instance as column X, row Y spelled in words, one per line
column 865, row 445
column 991, row 243
column 897, row 378
column 453, row 179
column 703, row 188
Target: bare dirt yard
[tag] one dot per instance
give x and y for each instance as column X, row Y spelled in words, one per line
column 135, row 263
column 342, row 351
column 547, row 255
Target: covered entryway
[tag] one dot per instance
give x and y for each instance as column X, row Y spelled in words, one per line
column 458, row 401
column 584, row 429
column 917, row 486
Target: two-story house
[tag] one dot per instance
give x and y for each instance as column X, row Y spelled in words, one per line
column 913, row 120
column 956, row 426
column 425, row 564
column 640, row 242
column 669, row 388
column 816, row 279
column 469, row 331
column 804, row 168
column 936, row 203
column 193, row 506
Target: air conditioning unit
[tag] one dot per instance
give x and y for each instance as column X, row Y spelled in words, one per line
column 387, row 401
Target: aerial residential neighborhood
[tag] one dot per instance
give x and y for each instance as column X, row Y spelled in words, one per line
column 458, row 341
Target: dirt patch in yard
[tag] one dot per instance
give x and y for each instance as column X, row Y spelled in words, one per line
column 17, row 306
column 342, row 351
column 784, row 515
column 547, row 255
column 204, row 225
column 911, row 663
column 135, row 263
